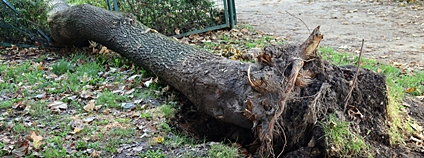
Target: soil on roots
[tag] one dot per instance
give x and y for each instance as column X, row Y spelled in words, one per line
column 307, row 112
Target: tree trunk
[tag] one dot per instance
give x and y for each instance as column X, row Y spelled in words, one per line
column 253, row 96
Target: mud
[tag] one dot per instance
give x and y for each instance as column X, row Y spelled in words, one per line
column 392, row 32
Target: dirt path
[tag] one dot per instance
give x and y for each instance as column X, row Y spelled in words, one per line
column 391, row 32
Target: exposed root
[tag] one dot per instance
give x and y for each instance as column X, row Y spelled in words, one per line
column 266, row 116
column 354, row 78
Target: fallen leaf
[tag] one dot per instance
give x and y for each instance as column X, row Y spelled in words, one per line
column 36, row 140
column 39, row 66
column 21, row 148
column 104, row 50
column 127, row 105
column 89, row 119
column 158, row 139
column 410, row 90
column 40, row 96
column 95, row 154
column 90, row 106
column 85, row 78
column 133, row 77
column 56, row 106
column 147, row 83
column 129, row 91
column 77, row 129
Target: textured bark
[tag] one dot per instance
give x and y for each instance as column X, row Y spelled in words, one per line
column 216, row 85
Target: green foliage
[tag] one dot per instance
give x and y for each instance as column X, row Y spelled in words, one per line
column 33, row 15
column 166, row 16
column 94, row 145
column 249, row 27
column 98, row 3
column 58, row 141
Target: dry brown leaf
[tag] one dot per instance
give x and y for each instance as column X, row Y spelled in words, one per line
column 90, row 106
column 104, row 50
column 410, row 90
column 158, row 139
column 56, row 106
column 21, row 148
column 39, row 66
column 77, row 129
column 36, row 139
column 95, row 154
column 129, row 91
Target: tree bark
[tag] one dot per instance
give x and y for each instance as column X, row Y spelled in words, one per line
column 253, row 96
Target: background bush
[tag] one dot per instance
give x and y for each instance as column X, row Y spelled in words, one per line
column 169, row 17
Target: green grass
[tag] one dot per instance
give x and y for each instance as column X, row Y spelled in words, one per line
column 19, row 128
column 146, row 115
column 111, row 100
column 158, row 153
column 249, row 27
column 168, row 110
column 342, row 139
column 112, row 144
column 53, row 153
column 223, row 151
column 62, row 66
column 7, row 104
column 39, row 109
column 163, row 126
column 121, row 132
column 179, row 140
column 81, row 145
column 2, row 152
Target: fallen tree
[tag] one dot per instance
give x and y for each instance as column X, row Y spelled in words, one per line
column 281, row 98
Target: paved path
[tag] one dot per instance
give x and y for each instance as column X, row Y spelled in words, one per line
column 391, row 32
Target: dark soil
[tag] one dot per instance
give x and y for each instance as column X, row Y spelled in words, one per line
column 309, row 106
